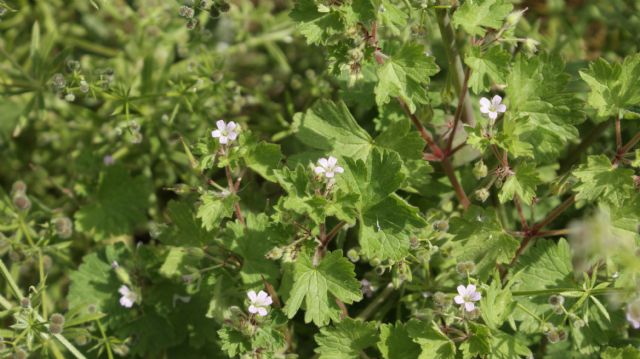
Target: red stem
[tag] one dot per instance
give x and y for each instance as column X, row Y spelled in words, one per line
column 232, row 189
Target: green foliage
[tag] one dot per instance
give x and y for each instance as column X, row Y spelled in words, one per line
column 346, row 339
column 475, row 16
column 599, row 179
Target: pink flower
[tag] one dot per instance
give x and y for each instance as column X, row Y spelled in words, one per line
column 128, row 298
column 467, row 296
column 226, row 132
column 493, row 107
column 259, row 302
column 328, row 166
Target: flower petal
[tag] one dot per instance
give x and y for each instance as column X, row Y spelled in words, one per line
column 493, row 115
column 502, row 108
column 469, row 306
column 124, row 290
column 458, row 299
column 221, row 125
column 331, row 161
column 329, row 174
column 338, row 169
column 224, row 140
column 268, row 301
column 231, row 126
column 262, row 312
column 323, row 162
column 496, row 100
column 476, row 296
column 318, row 170
column 484, row 102
column 126, row 302
column 471, row 288
column 252, row 295
column 253, row 309
column 216, row 133
column 232, row 136
column 461, row 290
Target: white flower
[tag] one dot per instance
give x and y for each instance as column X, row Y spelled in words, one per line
column 259, row 302
column 128, row 298
column 226, row 132
column 467, row 295
column 493, row 107
column 114, row 265
column 328, row 166
column 633, row 314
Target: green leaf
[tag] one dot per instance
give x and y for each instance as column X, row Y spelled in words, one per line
column 497, row 304
column 602, row 181
column 319, row 286
column 522, row 183
column 329, row 126
column 404, row 74
column 253, row 242
column 479, row 237
column 478, row 344
column 395, row 342
column 474, row 16
column 628, row 352
column 433, row 342
column 185, row 228
column 487, row 68
column 263, row 158
column 316, row 26
column 214, row 208
column 614, row 87
column 119, row 205
column 374, row 179
column 386, row 229
column 545, row 265
column 542, row 105
column 346, row 339
column 506, row 346
column 233, row 342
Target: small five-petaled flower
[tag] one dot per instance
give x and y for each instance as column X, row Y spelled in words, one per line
column 226, row 132
column 328, row 167
column 467, row 296
column 128, row 298
column 493, row 107
column 259, row 302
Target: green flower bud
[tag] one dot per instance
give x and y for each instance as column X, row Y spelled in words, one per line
column 578, row 323
column 466, row 267
column 556, row 300
column 480, row 170
column 440, row 299
column 553, row 336
column 73, row 65
column 442, row 225
column 482, row 194
column 275, row 253
column 81, row 340
column 375, row 262
column 63, row 227
column 353, row 254
column 70, row 97
column 25, row 303
column 514, row 17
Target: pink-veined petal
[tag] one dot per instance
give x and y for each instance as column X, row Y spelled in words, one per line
column 338, row 169
column 493, row 115
column 458, row 299
column 231, row 126
column 331, row 161
column 502, row 108
column 262, row 312
column 216, row 133
column 221, row 125
column 485, row 103
column 224, row 140
column 318, row 170
column 253, row 309
column 471, row 288
column 476, row 296
column 496, row 100
column 469, row 306
column 323, row 162
column 232, row 136
column 252, row 295
column 124, row 290
column 461, row 290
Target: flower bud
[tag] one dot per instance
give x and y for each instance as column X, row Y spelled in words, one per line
column 63, row 227
column 22, row 202
column 531, row 45
column 81, row 340
column 465, row 267
column 73, row 65
column 186, row 12
column 556, row 300
column 553, row 336
column 375, row 262
column 25, row 303
column 440, row 299
column 442, row 225
column 55, row 329
column 224, row 6
column 58, row 82
column 57, row 318
column 578, row 323
column 70, row 97
column 84, row 86
column 480, row 170
column 19, row 354
column 514, row 17
column 191, row 24
column 275, row 253
column 482, row 194
column 353, row 255
column 18, row 187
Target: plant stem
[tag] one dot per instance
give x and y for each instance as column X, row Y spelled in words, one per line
column 618, row 133
column 232, row 189
column 458, row 114
column 449, row 171
column 523, row 220
column 43, row 293
column 455, row 62
column 107, row 344
column 376, row 302
column 624, row 149
column 426, row 136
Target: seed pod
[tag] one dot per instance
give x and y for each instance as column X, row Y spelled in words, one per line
column 22, row 202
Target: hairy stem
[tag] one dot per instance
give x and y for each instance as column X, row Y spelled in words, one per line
column 458, row 114
column 232, row 189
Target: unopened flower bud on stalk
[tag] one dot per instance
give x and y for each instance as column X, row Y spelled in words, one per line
column 480, row 170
